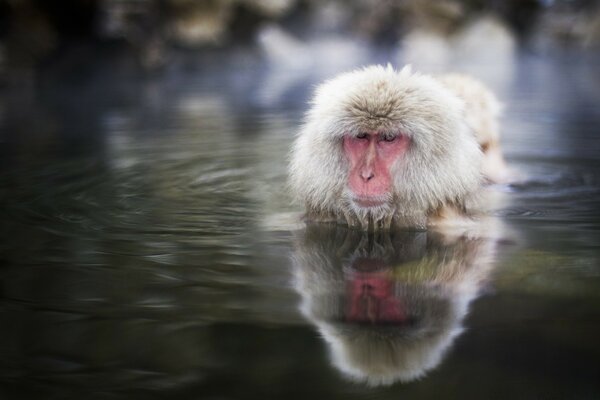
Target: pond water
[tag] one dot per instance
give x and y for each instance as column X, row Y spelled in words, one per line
column 144, row 253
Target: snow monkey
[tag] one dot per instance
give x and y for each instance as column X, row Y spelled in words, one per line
column 482, row 110
column 382, row 149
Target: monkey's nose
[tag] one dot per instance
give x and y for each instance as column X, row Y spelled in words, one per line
column 367, row 174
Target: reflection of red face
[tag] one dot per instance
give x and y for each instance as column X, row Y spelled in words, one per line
column 371, row 156
column 371, row 299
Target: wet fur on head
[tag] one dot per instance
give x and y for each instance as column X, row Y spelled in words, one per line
column 441, row 166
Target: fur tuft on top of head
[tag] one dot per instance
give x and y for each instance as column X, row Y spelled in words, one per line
column 440, row 167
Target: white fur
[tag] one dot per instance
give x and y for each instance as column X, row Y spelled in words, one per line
column 441, row 166
column 481, row 105
column 482, row 111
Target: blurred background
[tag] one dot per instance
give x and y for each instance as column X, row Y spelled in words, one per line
column 41, row 40
column 143, row 153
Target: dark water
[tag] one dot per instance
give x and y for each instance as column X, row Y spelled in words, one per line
column 146, row 251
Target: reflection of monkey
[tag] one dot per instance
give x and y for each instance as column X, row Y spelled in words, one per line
column 388, row 305
column 384, row 148
column 482, row 110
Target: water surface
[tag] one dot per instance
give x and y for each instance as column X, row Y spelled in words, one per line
column 140, row 257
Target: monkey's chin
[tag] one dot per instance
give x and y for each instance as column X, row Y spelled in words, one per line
column 369, row 202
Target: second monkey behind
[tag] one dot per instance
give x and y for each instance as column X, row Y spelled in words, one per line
column 383, row 149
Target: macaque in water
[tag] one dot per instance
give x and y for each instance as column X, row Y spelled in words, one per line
column 482, row 110
column 382, row 148
column 389, row 306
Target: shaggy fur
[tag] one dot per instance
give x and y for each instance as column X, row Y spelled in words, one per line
column 440, row 169
column 482, row 112
column 482, row 108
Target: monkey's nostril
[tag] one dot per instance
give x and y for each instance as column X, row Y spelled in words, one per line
column 367, row 175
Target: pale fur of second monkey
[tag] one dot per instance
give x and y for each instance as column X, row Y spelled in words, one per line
column 482, row 112
column 434, row 178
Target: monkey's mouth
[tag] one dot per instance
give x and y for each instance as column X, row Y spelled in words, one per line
column 367, row 202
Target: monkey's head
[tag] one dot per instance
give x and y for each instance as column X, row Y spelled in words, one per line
column 384, row 147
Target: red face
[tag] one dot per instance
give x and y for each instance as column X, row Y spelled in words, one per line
column 371, row 156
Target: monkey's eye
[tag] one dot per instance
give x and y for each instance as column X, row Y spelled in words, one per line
column 388, row 137
column 362, row 135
